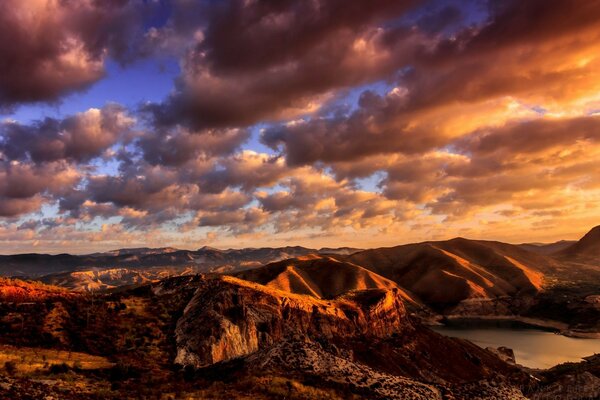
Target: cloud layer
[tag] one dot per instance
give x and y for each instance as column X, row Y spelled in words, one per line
column 320, row 122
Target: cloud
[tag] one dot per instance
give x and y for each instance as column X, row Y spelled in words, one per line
column 57, row 46
column 513, row 164
column 265, row 61
column 552, row 63
column 79, row 138
column 531, row 136
column 178, row 146
column 382, row 120
column 247, row 170
column 24, row 188
column 312, row 199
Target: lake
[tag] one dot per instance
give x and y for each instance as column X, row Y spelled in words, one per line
column 533, row 348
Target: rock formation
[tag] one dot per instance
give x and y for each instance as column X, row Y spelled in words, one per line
column 228, row 318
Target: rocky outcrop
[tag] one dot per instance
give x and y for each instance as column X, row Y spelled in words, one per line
column 569, row 381
column 312, row 359
column 576, row 386
column 503, row 353
column 228, row 318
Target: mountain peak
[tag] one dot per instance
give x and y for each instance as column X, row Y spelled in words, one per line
column 594, row 232
column 208, row 248
column 587, row 247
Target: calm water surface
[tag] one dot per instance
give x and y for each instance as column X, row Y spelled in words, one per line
column 533, row 348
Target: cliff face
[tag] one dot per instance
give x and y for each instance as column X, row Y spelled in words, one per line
column 228, row 318
column 363, row 341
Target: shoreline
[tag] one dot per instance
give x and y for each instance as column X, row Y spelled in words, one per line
column 560, row 328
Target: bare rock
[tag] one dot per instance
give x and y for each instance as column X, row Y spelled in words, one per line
column 228, row 318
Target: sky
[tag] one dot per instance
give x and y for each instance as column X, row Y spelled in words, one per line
column 323, row 123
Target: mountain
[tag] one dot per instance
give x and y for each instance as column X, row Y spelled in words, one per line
column 222, row 337
column 462, row 278
column 241, row 317
column 323, row 277
column 448, row 272
column 338, row 250
column 587, row 249
column 103, row 279
column 32, row 265
column 364, row 341
column 203, row 260
column 546, row 248
column 137, row 251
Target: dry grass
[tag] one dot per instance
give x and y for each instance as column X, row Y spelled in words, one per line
column 31, row 359
column 262, row 388
column 136, row 306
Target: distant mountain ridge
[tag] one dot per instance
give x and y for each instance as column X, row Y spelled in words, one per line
column 205, row 259
column 547, row 248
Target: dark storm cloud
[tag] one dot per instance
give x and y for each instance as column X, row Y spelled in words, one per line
column 531, row 136
column 139, row 186
column 50, row 48
column 377, row 126
column 245, row 36
column 272, row 60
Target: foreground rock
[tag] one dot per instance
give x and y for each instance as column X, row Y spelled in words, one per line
column 363, row 341
column 229, row 318
column 570, row 381
column 237, row 339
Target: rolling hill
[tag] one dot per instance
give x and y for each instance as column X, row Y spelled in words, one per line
column 448, row 272
column 322, row 277
column 16, row 290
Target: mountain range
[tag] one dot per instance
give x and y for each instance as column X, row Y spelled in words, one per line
column 438, row 279
column 294, row 322
column 205, row 259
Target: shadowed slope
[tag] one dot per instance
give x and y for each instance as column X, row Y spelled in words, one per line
column 458, row 269
column 587, row 249
column 547, row 248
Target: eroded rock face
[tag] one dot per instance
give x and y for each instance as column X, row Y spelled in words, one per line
column 228, row 318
